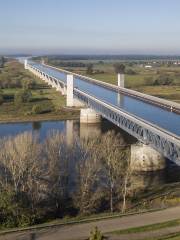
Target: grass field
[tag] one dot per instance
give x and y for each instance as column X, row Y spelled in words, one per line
column 141, row 80
column 42, row 95
column 45, row 95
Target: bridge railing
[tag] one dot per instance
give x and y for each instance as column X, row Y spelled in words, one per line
column 148, row 133
column 160, row 139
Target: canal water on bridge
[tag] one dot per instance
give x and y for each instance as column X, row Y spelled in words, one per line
column 169, row 121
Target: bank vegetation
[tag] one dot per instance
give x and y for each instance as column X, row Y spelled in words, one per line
column 24, row 97
column 41, row 181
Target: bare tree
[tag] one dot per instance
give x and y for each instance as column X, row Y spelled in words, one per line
column 89, row 167
column 57, row 159
column 128, row 171
column 20, row 156
column 112, row 147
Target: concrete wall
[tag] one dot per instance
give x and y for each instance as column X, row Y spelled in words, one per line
column 145, row 158
column 70, row 85
column 88, row 115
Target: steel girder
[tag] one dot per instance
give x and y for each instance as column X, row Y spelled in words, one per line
column 159, row 139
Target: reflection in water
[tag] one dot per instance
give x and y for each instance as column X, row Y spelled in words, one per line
column 90, row 130
column 120, row 99
column 69, row 131
column 36, row 126
column 73, row 128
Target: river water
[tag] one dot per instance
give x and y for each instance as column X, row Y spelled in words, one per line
column 73, row 127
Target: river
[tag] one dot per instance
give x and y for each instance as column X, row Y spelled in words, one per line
column 73, row 127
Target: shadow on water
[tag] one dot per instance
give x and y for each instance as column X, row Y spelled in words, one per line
column 36, row 126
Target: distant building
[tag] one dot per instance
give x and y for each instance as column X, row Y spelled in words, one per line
column 148, row 66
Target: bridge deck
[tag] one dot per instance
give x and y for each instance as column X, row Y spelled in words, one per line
column 161, row 117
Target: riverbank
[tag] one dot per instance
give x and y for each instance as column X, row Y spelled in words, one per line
column 57, row 116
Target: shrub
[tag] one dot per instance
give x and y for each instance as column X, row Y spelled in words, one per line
column 1, row 99
column 96, row 234
column 39, row 109
column 89, row 69
column 119, row 68
column 12, row 213
column 22, row 97
column 163, row 80
column 29, row 113
column 29, row 84
column 130, row 72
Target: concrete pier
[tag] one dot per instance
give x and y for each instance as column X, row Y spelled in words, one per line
column 145, row 158
column 88, row 115
column 69, row 100
column 25, row 64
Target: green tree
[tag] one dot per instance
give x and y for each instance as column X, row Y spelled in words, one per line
column 12, row 212
column 2, row 62
column 39, row 109
column 119, row 68
column 163, row 80
column 29, row 84
column 130, row 71
column 89, row 69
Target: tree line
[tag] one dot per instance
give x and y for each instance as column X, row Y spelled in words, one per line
column 40, row 181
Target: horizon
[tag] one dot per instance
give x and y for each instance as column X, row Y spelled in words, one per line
column 48, row 27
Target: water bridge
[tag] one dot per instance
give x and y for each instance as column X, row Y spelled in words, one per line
column 153, row 121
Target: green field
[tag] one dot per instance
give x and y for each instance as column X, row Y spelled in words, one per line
column 42, row 95
column 141, row 80
column 136, row 77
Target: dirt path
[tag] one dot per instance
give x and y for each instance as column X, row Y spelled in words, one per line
column 81, row 231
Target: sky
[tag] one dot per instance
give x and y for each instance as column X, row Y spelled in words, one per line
column 90, row 26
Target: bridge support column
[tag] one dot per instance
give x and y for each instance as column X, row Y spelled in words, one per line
column 120, row 80
column 70, row 100
column 88, row 115
column 25, row 64
column 145, row 158
column 69, row 97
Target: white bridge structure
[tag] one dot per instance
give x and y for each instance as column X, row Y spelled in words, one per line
column 153, row 121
